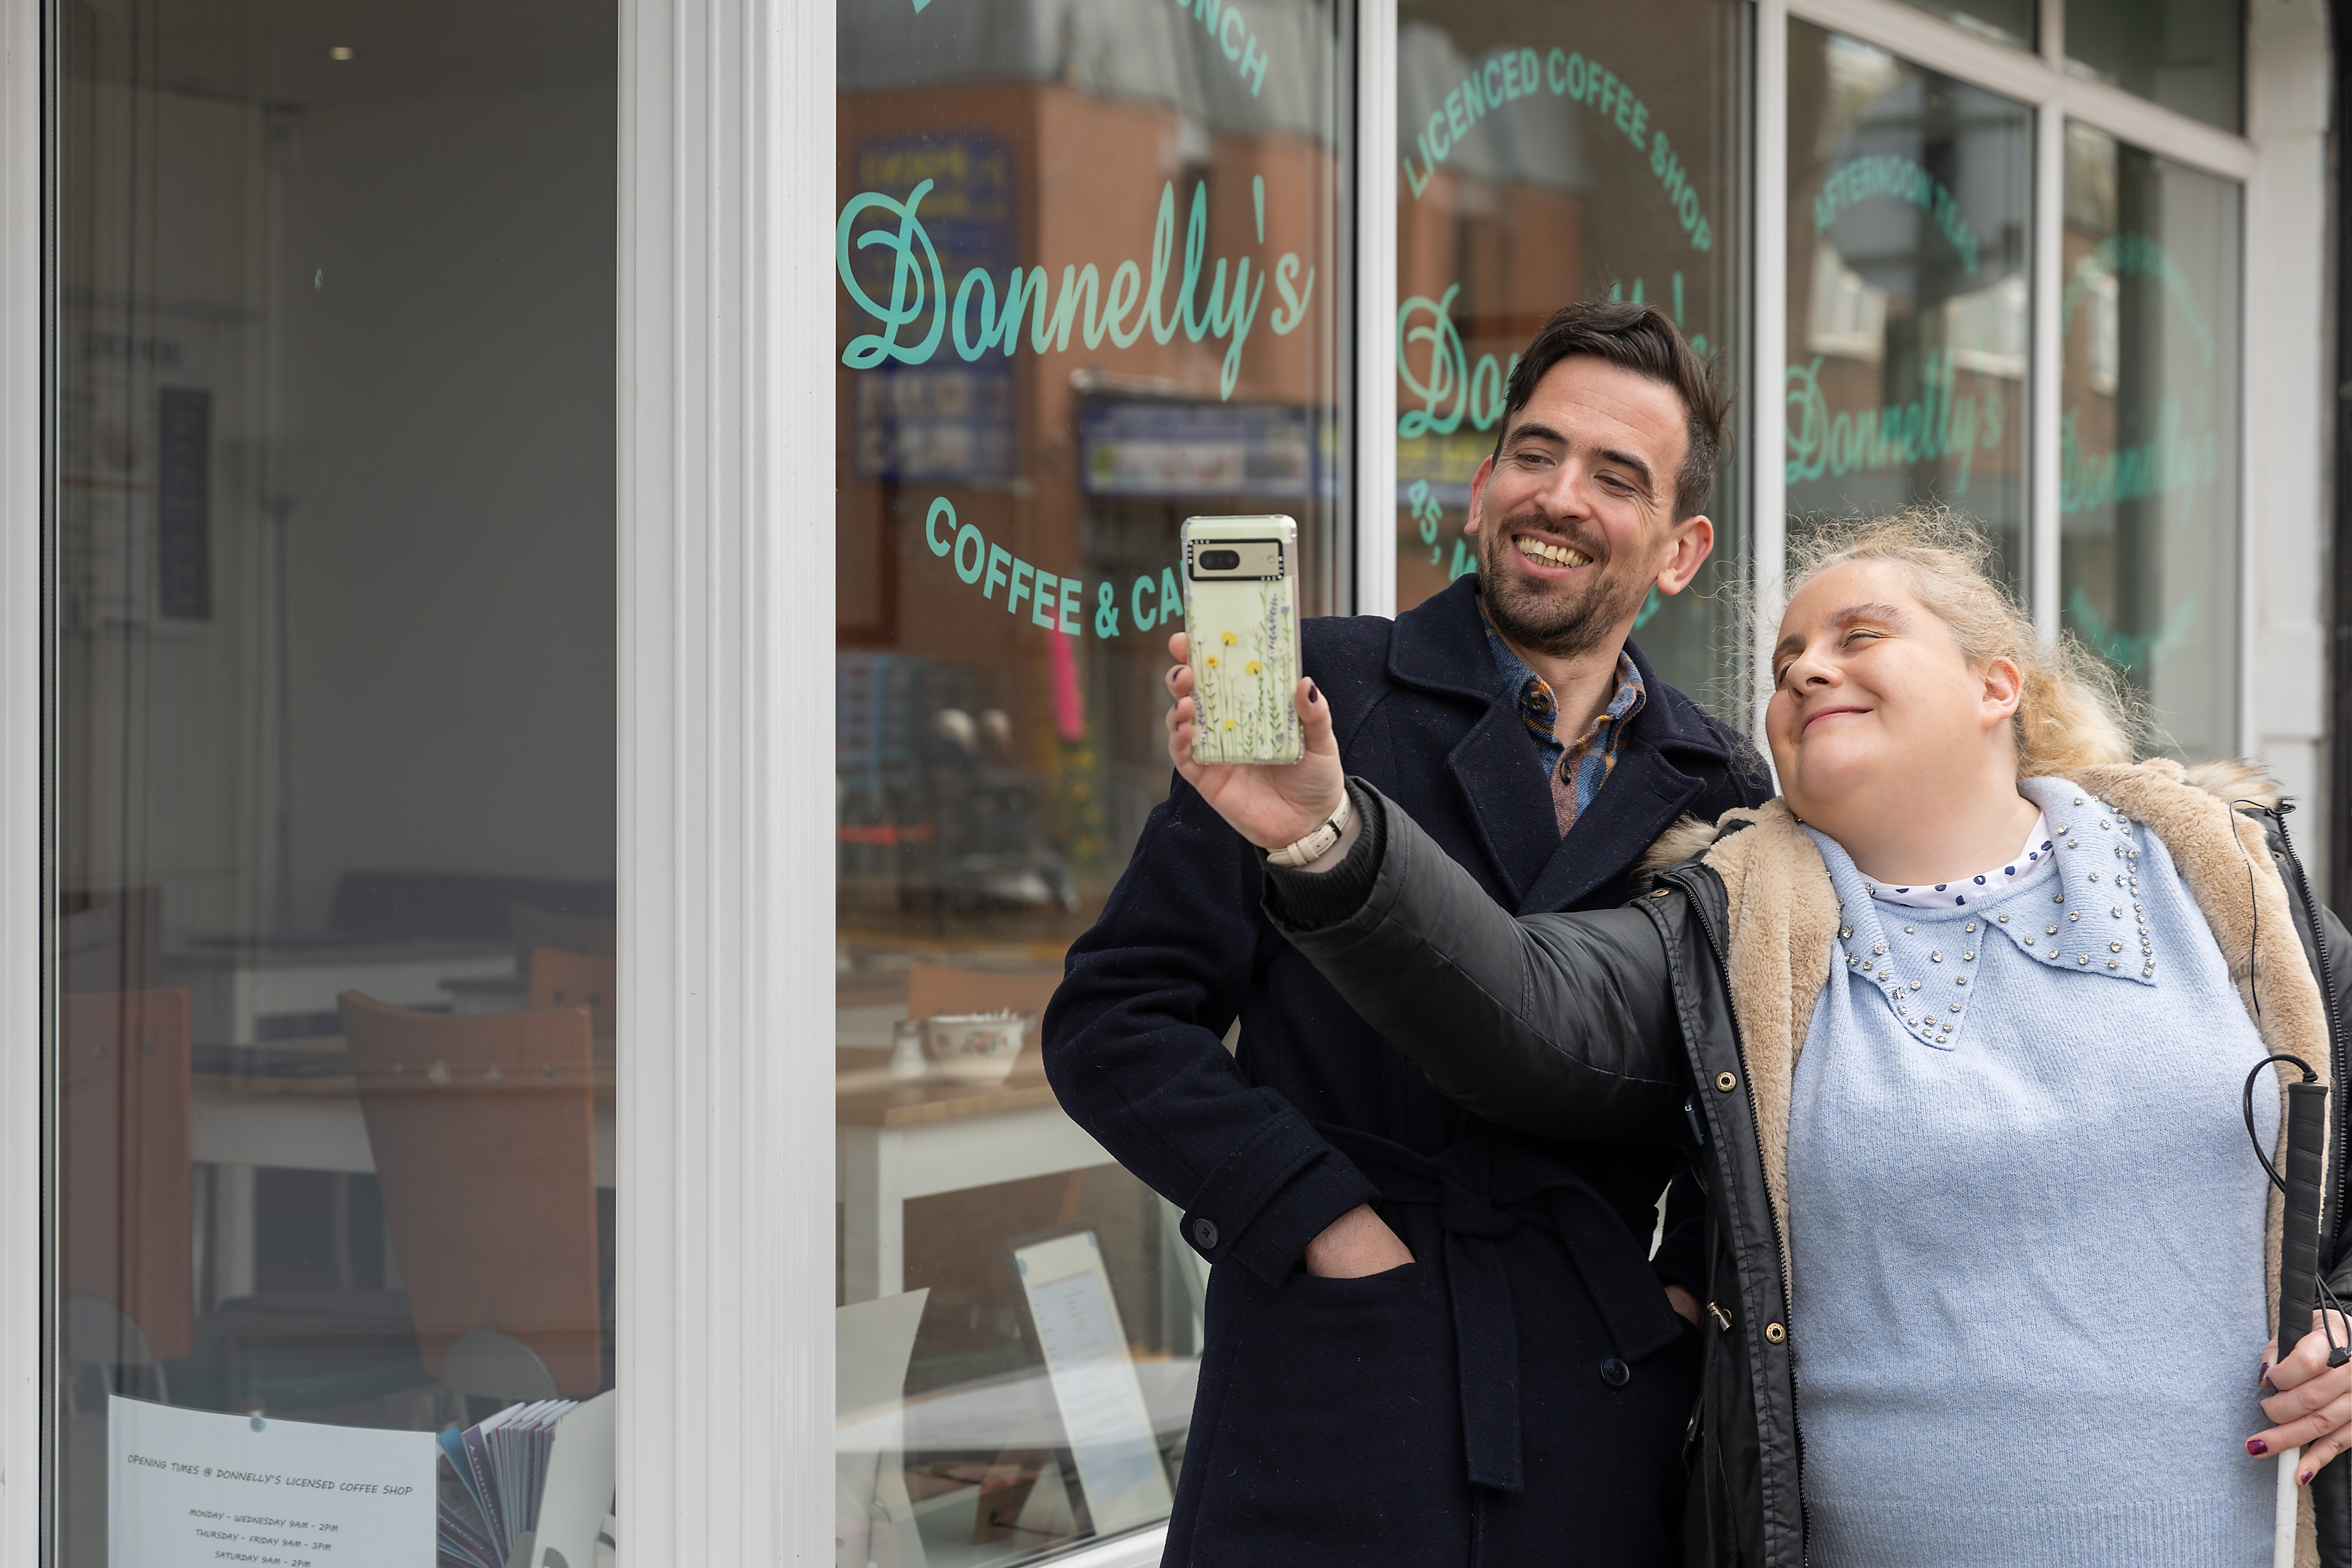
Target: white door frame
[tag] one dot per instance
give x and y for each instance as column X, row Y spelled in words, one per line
column 23, row 374
column 725, row 856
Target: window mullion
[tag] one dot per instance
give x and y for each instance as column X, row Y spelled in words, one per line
column 1376, row 303
column 2049, row 266
column 1767, row 401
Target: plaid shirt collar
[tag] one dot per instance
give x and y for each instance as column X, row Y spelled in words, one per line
column 1576, row 769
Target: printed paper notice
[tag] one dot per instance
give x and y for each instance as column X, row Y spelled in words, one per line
column 186, row 1487
column 1101, row 1401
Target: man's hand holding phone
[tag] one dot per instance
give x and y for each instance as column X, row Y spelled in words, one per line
column 1271, row 804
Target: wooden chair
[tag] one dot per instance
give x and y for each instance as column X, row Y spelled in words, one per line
column 562, row 979
column 483, row 1128
column 125, row 1209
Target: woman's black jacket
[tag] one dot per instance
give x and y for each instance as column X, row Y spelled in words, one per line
column 1619, row 1024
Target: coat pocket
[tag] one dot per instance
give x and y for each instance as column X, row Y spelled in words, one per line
column 1339, row 1441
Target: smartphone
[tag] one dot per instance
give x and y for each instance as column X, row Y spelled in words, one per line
column 1241, row 610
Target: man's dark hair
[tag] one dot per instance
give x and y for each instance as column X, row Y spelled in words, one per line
column 1645, row 341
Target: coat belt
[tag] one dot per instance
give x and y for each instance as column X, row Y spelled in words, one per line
column 1484, row 1190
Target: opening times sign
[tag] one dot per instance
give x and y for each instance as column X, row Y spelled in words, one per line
column 186, row 1487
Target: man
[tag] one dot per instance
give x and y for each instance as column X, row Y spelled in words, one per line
column 1429, row 1341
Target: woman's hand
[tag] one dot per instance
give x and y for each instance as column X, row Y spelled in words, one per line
column 2313, row 1405
column 1269, row 805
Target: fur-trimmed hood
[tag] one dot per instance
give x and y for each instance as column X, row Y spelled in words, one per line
column 2232, row 779
column 1783, row 925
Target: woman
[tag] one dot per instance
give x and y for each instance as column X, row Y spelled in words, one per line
column 1955, row 1033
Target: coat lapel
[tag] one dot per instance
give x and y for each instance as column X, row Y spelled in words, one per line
column 1644, row 794
column 1440, row 648
column 1501, row 784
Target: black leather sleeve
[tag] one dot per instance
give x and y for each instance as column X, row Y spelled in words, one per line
column 2335, row 943
column 1558, row 1024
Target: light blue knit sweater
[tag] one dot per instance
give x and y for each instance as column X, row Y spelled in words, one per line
column 2029, row 1294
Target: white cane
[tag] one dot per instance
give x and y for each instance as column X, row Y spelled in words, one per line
column 2306, row 1133
column 2283, row 1533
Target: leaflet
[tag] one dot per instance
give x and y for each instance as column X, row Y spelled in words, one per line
column 193, row 1489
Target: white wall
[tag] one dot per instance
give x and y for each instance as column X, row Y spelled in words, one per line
column 2287, row 403
column 453, row 552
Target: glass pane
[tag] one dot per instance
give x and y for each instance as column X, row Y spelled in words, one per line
column 2188, row 55
column 1089, row 285
column 332, row 641
column 2149, row 443
column 1910, row 203
column 2008, row 21
column 1532, row 173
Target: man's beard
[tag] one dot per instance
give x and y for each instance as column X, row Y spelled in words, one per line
column 1559, row 620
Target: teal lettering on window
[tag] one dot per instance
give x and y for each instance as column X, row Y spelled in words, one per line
column 1442, row 374
column 2182, row 456
column 2133, row 651
column 1507, row 77
column 917, row 313
column 1935, row 424
column 2184, row 453
column 1055, row 603
column 1901, row 179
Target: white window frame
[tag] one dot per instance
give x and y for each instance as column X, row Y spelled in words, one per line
column 2280, row 164
column 726, row 860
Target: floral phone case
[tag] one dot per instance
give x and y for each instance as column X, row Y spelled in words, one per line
column 1241, row 609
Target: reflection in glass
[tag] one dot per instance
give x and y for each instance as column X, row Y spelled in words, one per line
column 1089, row 285
column 1910, row 199
column 2188, row 54
column 2008, row 21
column 2149, row 431
column 1539, row 164
column 332, row 643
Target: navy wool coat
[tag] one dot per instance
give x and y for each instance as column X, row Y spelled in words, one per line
column 1520, row 1392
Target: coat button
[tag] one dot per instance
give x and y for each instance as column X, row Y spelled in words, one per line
column 1725, row 1081
column 1615, row 1373
column 1775, row 1332
column 1204, row 1231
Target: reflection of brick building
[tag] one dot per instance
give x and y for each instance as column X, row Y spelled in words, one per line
column 1546, row 198
column 1086, row 178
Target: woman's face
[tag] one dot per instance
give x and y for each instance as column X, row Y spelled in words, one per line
column 1874, row 708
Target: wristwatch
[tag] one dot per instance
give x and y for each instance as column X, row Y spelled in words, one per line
column 1318, row 843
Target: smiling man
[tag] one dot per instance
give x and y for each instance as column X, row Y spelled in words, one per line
column 1428, row 1341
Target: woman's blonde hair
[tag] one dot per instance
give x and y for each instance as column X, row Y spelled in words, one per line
column 2074, row 711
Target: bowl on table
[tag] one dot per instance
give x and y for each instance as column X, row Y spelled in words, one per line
column 974, row 1047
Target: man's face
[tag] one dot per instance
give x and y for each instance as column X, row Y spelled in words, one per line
column 1575, row 519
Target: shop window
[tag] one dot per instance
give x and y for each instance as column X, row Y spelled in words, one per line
column 2005, row 21
column 1544, row 158
column 2187, row 55
column 2149, row 468
column 1910, row 310
column 330, row 747
column 1089, row 284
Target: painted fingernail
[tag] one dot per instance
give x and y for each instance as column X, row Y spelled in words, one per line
column 2262, row 1378
column 2257, row 1448
column 1313, row 693
column 2303, row 1479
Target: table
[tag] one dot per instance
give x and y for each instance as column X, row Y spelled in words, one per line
column 894, row 1141
column 240, row 1124
column 232, row 989
column 897, row 1140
